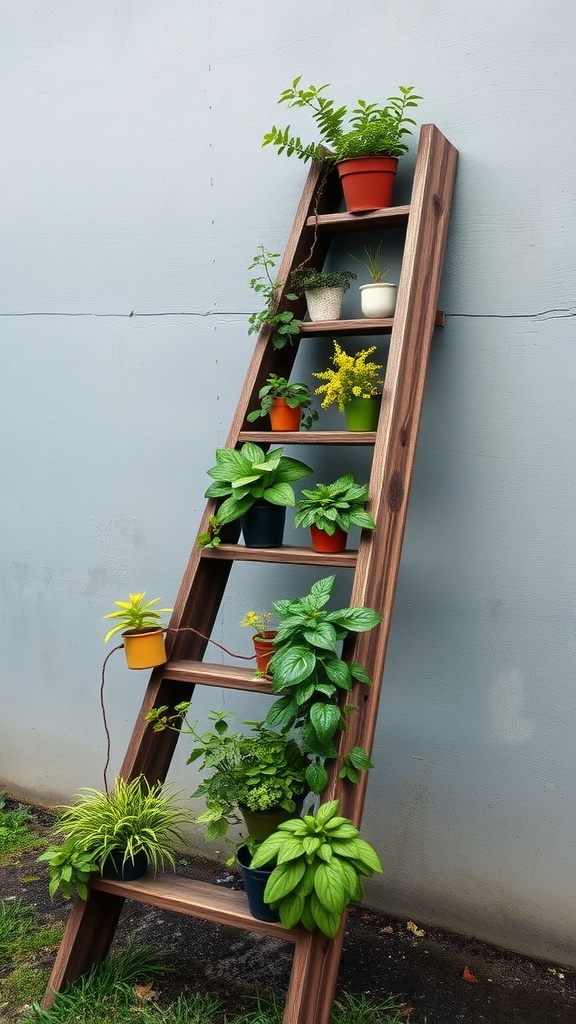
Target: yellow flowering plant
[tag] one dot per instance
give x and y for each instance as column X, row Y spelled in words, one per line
column 354, row 377
column 258, row 621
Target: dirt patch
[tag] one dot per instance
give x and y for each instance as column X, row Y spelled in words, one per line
column 381, row 956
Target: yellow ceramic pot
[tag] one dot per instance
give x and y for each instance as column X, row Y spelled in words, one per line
column 144, row 650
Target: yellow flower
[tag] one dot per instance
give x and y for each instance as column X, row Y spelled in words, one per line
column 354, row 377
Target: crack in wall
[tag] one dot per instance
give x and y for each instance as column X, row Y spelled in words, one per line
column 545, row 314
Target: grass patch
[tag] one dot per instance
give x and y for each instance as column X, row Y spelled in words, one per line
column 15, row 832
column 23, row 943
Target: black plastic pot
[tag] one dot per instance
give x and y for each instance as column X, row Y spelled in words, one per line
column 124, row 872
column 263, row 525
column 254, row 884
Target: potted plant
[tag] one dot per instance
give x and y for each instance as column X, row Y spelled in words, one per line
column 377, row 299
column 263, row 638
column 284, row 402
column 331, row 509
column 354, row 386
column 142, row 632
column 319, row 862
column 256, row 489
column 308, row 671
column 262, row 774
column 365, row 150
column 324, row 290
column 119, row 834
column 284, row 326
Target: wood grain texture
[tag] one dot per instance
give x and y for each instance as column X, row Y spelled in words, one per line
column 339, row 437
column 316, row 328
column 228, row 676
column 371, row 220
column 284, row 554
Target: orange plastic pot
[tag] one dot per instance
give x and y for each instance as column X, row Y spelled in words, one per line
column 144, row 650
column 322, row 541
column 282, row 417
column 264, row 647
column 367, row 182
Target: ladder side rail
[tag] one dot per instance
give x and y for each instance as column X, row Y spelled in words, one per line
column 379, row 555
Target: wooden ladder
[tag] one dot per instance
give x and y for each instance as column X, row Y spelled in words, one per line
column 92, row 924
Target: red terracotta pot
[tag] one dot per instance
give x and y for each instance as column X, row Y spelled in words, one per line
column 367, row 182
column 322, row 541
column 264, row 647
column 282, row 417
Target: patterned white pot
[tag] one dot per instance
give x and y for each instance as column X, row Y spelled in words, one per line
column 378, row 300
column 324, row 303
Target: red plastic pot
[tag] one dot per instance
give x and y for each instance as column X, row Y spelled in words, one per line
column 264, row 647
column 322, row 541
column 367, row 182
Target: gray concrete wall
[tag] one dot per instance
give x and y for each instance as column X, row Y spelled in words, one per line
column 133, row 180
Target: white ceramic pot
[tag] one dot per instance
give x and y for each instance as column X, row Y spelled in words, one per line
column 378, row 300
column 324, row 303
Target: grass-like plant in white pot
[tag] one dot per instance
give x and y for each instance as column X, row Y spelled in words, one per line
column 119, row 834
column 256, row 488
column 319, row 863
column 324, row 290
column 287, row 403
column 377, row 299
column 331, row 509
column 354, row 385
column 365, row 143
column 142, row 631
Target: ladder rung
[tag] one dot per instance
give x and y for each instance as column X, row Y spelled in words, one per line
column 363, row 326
column 352, row 437
column 292, row 555
column 336, row 223
column 197, row 899
column 206, row 674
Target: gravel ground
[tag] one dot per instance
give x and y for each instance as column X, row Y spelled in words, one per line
column 381, row 956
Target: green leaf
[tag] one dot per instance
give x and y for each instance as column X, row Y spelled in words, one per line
column 280, row 494
column 293, row 665
column 290, row 850
column 331, row 887
column 327, row 922
column 357, row 620
column 268, row 850
column 322, row 589
column 283, row 880
column 360, row 759
column 290, row 470
column 281, row 714
column 359, row 673
column 326, row 812
column 339, row 673
column 322, row 634
column 291, row 909
column 316, row 777
column 325, row 718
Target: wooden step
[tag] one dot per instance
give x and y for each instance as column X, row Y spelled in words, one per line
column 371, row 220
column 285, row 554
column 350, row 437
column 314, row 328
column 205, row 674
column 196, row 899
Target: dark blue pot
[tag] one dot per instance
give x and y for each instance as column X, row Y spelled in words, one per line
column 114, row 868
column 263, row 525
column 254, row 884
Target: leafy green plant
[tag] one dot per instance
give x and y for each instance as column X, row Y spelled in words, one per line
column 284, row 326
column 135, row 817
column 259, row 770
column 294, row 394
column 136, row 616
column 246, row 476
column 339, row 504
column 374, row 264
column 15, row 833
column 354, row 377
column 372, row 129
column 305, row 279
column 309, row 672
column 69, row 869
column 319, row 863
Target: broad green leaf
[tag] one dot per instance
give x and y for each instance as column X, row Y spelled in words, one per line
column 233, row 508
column 280, row 494
column 331, row 887
column 306, row 918
column 281, row 714
column 267, row 850
column 292, row 469
column 252, row 453
column 359, row 673
column 283, row 880
column 291, row 908
column 357, row 620
column 321, row 635
column 338, row 672
column 360, row 759
column 325, row 718
column 327, row 922
column 322, row 589
column 290, row 850
column 362, row 519
column 293, row 665
column 245, row 481
column 310, row 844
column 327, row 811
column 324, row 852
column 367, row 855
column 317, row 778
column 341, row 828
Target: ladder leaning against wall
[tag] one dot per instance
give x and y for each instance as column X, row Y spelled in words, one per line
column 375, row 564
